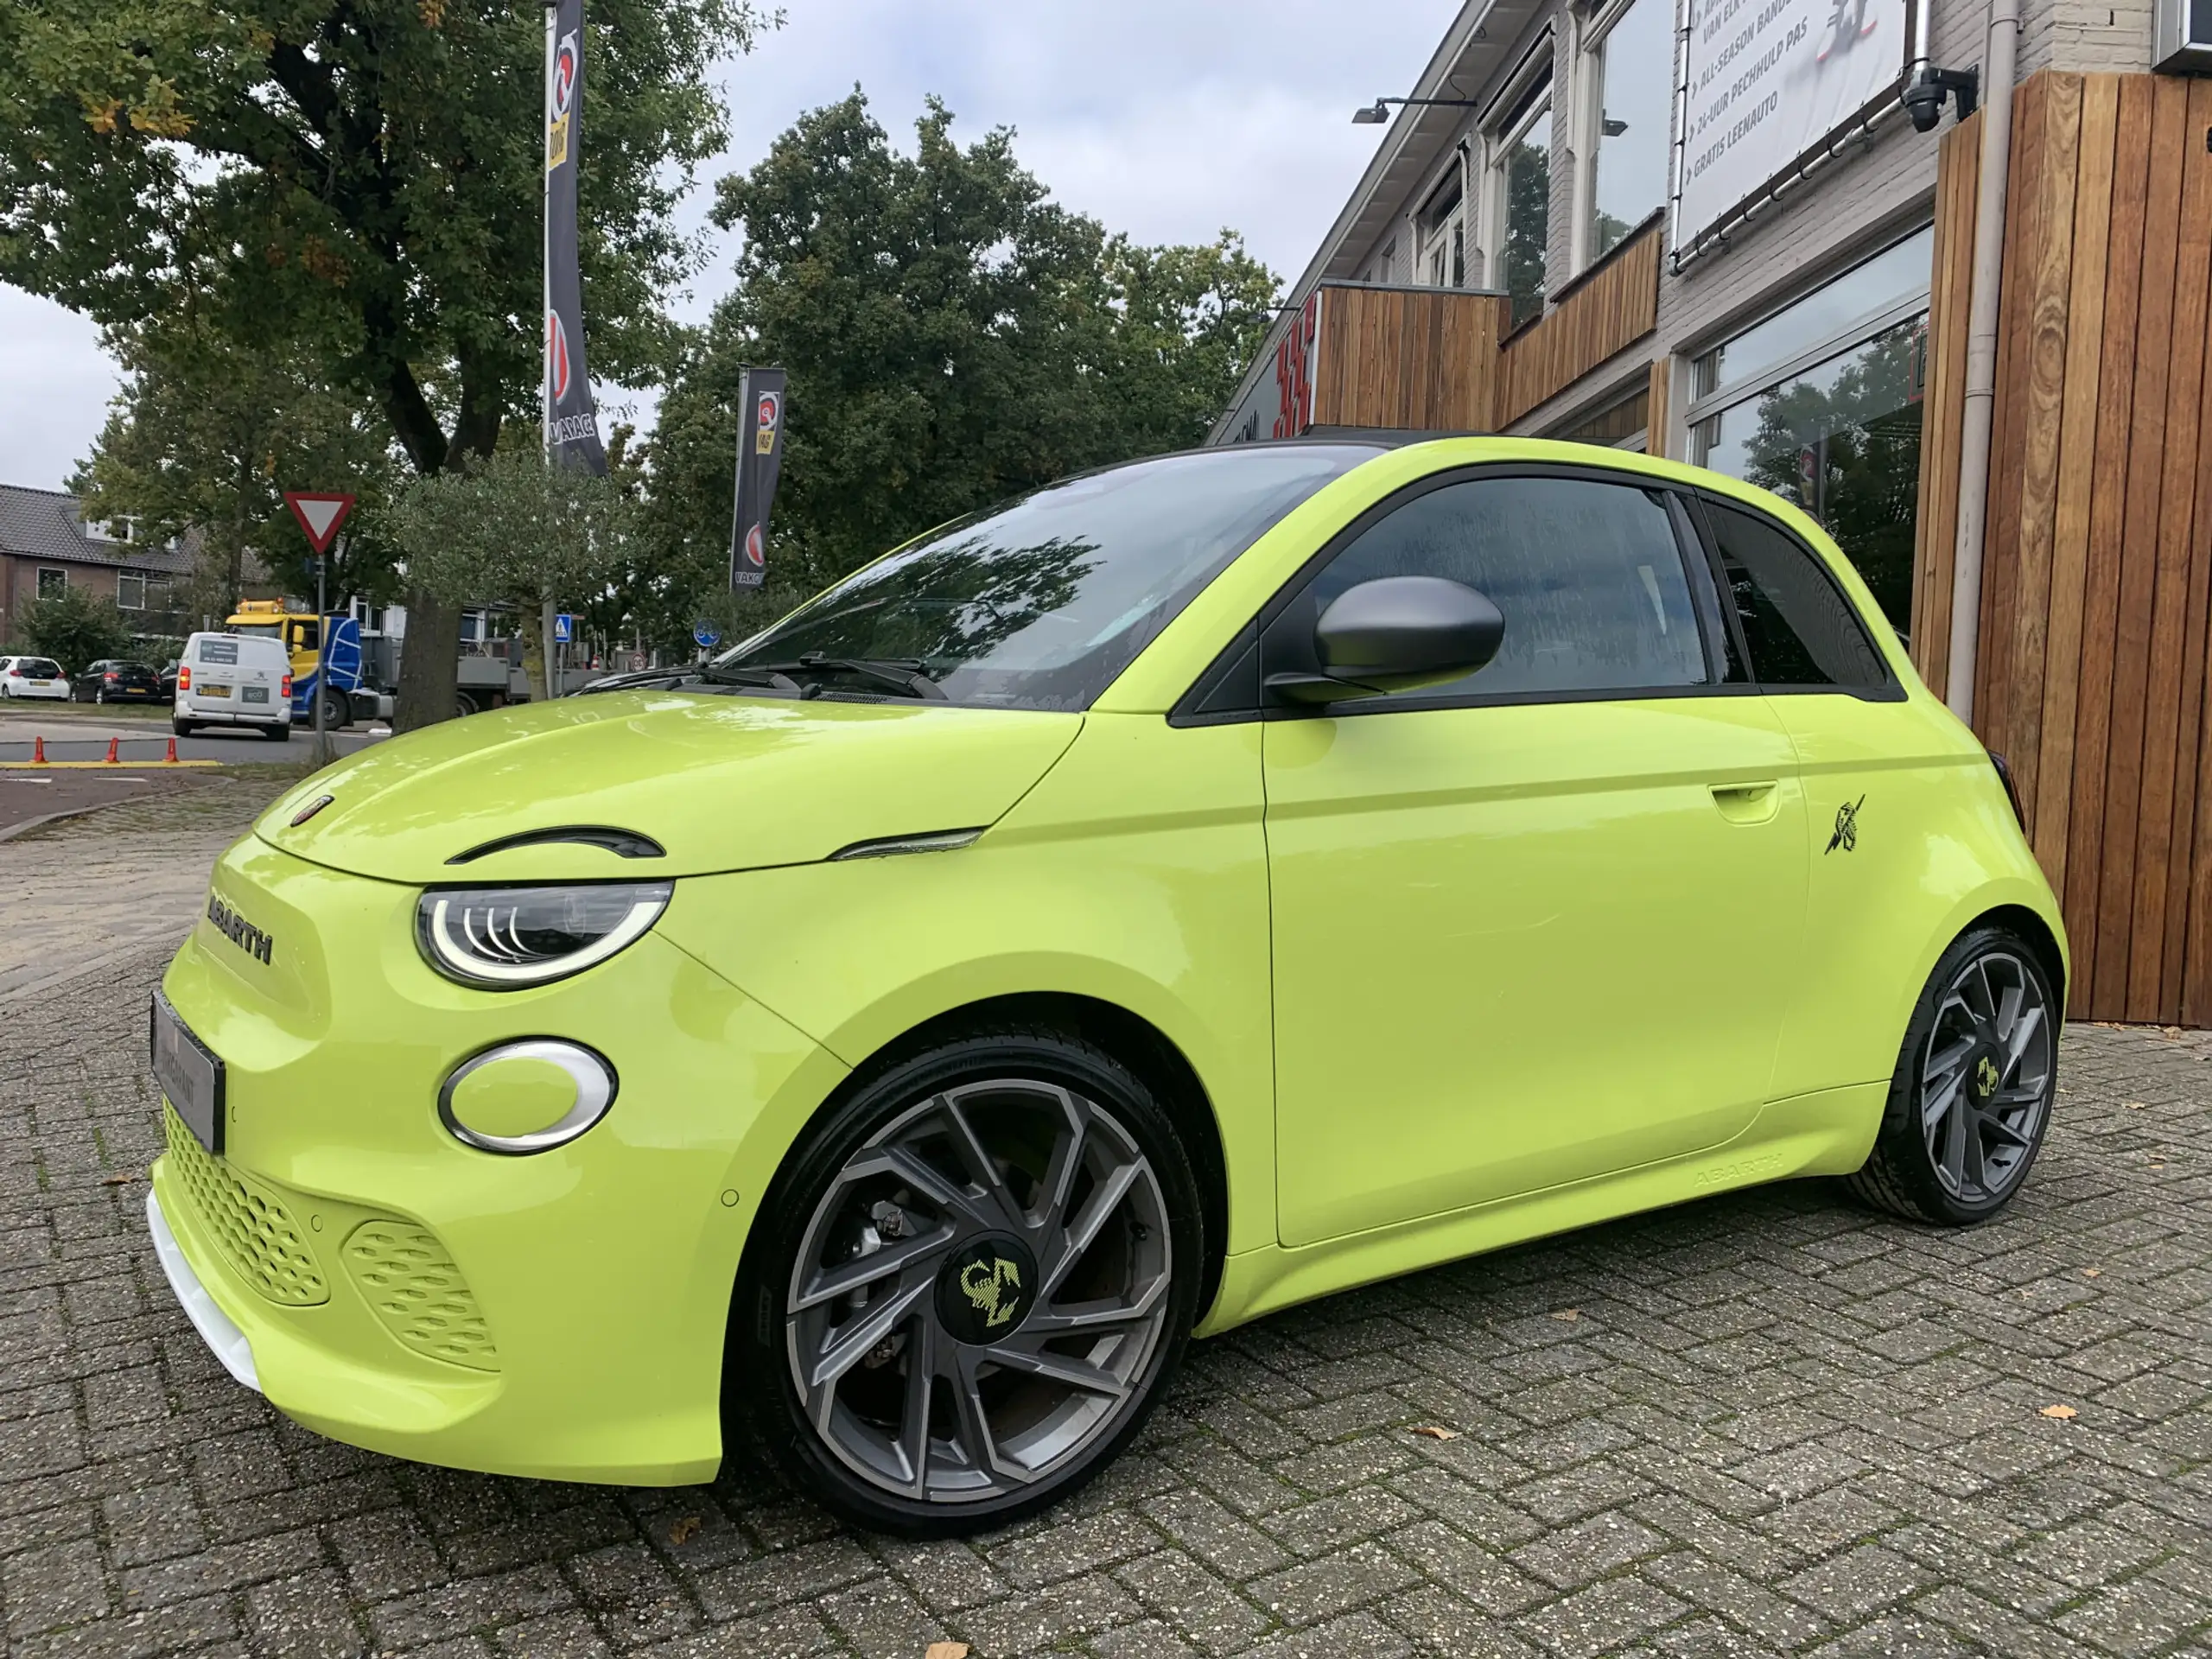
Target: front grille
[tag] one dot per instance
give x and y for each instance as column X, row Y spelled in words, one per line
column 247, row 1222
column 405, row 1274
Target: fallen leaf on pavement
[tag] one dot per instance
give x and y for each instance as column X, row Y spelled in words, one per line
column 1569, row 1314
column 2093, row 1273
column 2133, row 1105
column 1432, row 1432
column 2061, row 1412
column 684, row 1531
column 947, row 1651
column 117, row 1180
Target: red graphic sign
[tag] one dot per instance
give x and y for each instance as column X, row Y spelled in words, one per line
column 320, row 515
column 1293, row 376
column 557, row 355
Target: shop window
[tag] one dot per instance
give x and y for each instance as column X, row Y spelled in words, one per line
column 1631, row 67
column 1821, row 404
column 1520, row 187
column 51, row 583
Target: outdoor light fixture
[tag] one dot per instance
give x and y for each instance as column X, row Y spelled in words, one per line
column 1613, row 128
column 1375, row 114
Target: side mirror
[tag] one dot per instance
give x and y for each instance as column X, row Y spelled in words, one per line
column 1396, row 633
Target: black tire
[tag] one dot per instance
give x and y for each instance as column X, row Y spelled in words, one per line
column 182, row 727
column 1957, row 1140
column 99, row 696
column 988, row 1080
column 337, row 712
column 277, row 733
column 463, row 705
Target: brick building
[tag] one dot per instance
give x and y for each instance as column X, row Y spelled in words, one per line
column 46, row 546
column 1972, row 343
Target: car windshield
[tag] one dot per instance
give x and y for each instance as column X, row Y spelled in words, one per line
column 1040, row 602
column 259, row 630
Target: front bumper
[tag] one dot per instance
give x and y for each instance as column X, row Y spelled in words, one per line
column 559, row 1315
column 224, row 1338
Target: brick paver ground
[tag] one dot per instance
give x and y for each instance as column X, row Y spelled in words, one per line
column 1768, row 1422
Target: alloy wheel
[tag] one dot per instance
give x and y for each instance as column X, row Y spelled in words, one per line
column 1986, row 1079
column 979, row 1291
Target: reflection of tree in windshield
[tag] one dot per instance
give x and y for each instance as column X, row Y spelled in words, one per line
column 957, row 602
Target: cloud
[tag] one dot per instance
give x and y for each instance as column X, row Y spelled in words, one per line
column 1168, row 119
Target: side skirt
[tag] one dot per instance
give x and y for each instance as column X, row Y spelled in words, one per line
column 1826, row 1133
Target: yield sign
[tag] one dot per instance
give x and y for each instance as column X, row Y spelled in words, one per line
column 319, row 515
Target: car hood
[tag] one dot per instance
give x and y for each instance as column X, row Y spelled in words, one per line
column 721, row 783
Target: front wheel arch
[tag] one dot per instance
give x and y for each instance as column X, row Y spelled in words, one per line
column 1129, row 1038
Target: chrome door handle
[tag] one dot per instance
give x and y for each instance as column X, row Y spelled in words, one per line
column 1748, row 803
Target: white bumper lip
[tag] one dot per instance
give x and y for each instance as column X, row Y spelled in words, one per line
column 226, row 1339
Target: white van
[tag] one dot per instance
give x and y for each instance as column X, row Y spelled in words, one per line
column 233, row 679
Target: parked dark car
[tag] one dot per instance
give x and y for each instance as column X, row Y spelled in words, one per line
column 114, row 680
column 168, row 680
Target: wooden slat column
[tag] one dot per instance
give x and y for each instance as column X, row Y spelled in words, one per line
column 2097, row 587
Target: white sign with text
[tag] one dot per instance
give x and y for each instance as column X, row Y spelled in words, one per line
column 1768, row 80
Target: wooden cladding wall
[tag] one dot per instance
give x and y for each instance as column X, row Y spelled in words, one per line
column 1422, row 359
column 1611, row 308
column 1432, row 360
column 2090, row 677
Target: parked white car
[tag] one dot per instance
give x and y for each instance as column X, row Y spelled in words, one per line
column 233, row 679
column 33, row 676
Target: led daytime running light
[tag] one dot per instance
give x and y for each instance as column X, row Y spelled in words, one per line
column 481, row 935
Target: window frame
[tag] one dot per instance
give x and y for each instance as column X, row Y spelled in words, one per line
column 1232, row 689
column 1892, row 690
column 1532, row 92
column 1589, row 121
column 123, row 578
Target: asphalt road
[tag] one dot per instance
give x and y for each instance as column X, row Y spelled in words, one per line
column 81, row 733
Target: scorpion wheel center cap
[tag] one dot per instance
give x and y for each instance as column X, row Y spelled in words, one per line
column 986, row 1289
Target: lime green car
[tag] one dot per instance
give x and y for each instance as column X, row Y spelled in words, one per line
column 1194, row 887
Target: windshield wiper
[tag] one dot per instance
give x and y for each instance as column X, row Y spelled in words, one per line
column 898, row 673
column 677, row 674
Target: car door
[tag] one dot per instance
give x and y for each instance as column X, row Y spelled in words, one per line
column 1536, row 926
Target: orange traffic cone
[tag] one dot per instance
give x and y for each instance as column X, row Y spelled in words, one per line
column 169, row 760
column 38, row 750
column 111, row 760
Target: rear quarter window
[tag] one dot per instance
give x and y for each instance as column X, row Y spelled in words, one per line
column 1801, row 629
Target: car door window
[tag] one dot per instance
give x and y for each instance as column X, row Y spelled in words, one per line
column 1799, row 629
column 1588, row 575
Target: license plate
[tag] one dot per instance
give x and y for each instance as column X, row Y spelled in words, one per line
column 213, row 690
column 189, row 1075
column 42, row 685
column 257, row 694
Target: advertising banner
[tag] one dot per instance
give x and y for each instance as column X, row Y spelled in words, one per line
column 571, row 422
column 1768, row 80
column 759, row 459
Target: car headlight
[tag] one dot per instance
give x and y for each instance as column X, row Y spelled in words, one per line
column 506, row 938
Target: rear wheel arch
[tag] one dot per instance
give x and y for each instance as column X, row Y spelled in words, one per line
column 2035, row 934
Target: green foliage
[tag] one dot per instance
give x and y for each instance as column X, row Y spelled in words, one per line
column 351, row 187
column 513, row 529
column 206, row 435
column 953, row 337
column 75, row 627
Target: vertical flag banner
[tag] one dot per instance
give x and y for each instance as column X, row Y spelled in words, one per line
column 759, row 460
column 571, row 423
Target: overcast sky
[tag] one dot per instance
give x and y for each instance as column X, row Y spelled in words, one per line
column 1168, row 119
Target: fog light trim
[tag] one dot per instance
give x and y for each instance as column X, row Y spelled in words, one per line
column 593, row 1077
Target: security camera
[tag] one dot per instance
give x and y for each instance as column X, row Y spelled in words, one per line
column 1924, row 95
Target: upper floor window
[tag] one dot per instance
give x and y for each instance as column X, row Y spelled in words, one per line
column 1631, row 68
column 1443, row 235
column 1521, row 192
